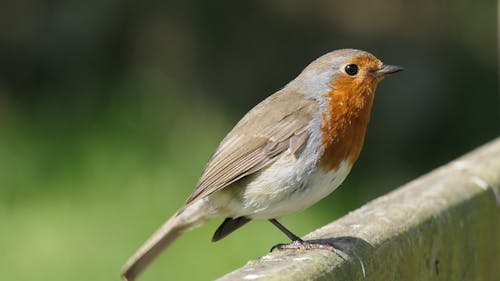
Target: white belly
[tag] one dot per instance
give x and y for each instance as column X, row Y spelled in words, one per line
column 315, row 187
column 283, row 188
column 294, row 197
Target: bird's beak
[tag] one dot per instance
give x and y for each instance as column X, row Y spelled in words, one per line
column 388, row 69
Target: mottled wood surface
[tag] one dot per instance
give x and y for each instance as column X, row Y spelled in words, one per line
column 444, row 225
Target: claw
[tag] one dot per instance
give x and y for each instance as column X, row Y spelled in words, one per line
column 277, row 246
column 302, row 245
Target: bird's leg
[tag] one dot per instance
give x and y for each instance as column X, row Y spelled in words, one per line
column 303, row 245
column 297, row 242
column 287, row 232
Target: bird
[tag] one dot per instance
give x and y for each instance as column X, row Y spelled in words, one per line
column 287, row 153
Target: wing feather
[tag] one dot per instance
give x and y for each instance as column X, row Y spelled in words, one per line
column 260, row 137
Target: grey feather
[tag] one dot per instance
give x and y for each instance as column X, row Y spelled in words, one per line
column 263, row 134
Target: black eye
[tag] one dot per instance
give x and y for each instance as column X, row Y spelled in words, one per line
column 351, row 69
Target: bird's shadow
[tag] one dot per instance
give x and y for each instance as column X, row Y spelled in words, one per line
column 346, row 244
column 353, row 247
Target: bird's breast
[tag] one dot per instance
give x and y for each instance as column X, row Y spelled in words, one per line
column 344, row 122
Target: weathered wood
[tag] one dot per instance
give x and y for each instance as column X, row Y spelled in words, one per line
column 442, row 226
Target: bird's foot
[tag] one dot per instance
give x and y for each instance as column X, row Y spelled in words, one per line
column 303, row 245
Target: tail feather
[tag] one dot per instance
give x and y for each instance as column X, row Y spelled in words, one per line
column 228, row 226
column 160, row 240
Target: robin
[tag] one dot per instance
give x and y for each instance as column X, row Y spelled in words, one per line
column 287, row 153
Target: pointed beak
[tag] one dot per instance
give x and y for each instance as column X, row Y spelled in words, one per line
column 388, row 69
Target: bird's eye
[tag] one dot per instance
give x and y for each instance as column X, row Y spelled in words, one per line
column 351, row 69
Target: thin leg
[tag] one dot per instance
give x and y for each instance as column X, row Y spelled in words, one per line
column 287, row 232
column 298, row 243
column 303, row 245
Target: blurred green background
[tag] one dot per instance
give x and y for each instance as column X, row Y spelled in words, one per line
column 109, row 111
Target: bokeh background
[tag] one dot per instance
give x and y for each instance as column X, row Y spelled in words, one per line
column 109, row 111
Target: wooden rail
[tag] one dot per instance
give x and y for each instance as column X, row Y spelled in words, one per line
column 444, row 225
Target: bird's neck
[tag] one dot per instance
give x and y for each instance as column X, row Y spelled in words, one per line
column 344, row 124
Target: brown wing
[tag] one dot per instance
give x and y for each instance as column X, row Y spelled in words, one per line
column 257, row 140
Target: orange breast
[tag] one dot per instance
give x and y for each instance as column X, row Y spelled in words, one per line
column 344, row 123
